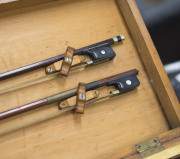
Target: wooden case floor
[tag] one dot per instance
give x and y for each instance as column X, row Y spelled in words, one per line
column 39, row 32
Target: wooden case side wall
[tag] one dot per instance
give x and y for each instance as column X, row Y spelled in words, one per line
column 170, row 140
column 6, row 5
column 151, row 60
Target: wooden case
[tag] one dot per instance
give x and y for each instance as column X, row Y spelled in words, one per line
column 34, row 30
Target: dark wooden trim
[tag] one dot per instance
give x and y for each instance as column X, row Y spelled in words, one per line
column 63, row 95
column 47, row 62
column 23, row 108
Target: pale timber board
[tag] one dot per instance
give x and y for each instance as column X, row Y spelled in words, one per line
column 7, row 5
column 152, row 62
column 170, row 140
column 167, row 154
column 39, row 32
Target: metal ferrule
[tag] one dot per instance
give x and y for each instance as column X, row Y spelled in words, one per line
column 61, row 96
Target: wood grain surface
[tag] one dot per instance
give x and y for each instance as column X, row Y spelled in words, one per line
column 152, row 62
column 170, row 140
column 7, row 5
column 35, row 33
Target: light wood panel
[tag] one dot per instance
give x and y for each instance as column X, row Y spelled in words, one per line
column 170, row 140
column 39, row 32
column 152, row 62
column 7, row 5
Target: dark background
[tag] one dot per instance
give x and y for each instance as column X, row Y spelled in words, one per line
column 162, row 18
